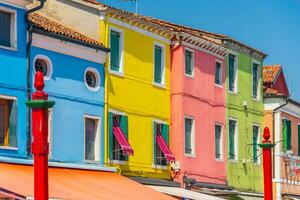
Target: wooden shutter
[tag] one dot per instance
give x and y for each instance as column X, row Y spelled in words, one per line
column 289, row 135
column 165, row 133
column 5, row 32
column 232, row 127
column 231, row 72
column 188, row 62
column 124, row 127
column 114, row 50
column 110, row 135
column 158, row 64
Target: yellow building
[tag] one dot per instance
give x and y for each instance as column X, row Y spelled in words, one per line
column 137, row 94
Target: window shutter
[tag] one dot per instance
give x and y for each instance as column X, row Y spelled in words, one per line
column 124, row 127
column 154, row 142
column 110, row 135
column 165, row 133
column 231, row 72
column 158, row 65
column 114, row 50
column 231, row 139
column 13, row 124
column 188, row 62
column 284, row 135
column 5, row 29
column 298, row 140
column 289, row 135
column 255, row 138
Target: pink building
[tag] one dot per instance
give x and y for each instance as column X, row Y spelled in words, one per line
column 198, row 117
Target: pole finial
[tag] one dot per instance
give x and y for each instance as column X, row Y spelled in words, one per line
column 266, row 134
column 39, row 85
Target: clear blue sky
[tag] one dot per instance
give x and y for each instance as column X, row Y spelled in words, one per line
column 272, row 26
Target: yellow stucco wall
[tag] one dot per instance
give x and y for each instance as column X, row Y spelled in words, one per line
column 134, row 94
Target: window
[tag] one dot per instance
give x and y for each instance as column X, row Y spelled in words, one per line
column 218, row 141
column 92, row 139
column 189, row 62
column 298, row 139
column 189, row 135
column 233, row 140
column 119, row 148
column 158, row 64
column 50, row 117
column 218, row 73
column 255, row 80
column 43, row 64
column 116, row 51
column 7, row 31
column 255, row 144
column 286, row 135
column 8, row 123
column 232, row 73
column 92, row 79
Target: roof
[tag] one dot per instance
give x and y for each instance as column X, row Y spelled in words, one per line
column 17, row 180
column 270, row 73
column 268, row 92
column 52, row 26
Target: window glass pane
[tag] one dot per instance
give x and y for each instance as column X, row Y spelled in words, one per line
column 218, row 74
column 232, row 130
column 231, row 72
column 5, row 31
column 188, row 135
column 218, row 129
column 2, row 123
column 115, row 50
column 158, row 68
column 255, row 80
column 90, row 136
column 188, row 62
column 255, row 144
column 13, row 124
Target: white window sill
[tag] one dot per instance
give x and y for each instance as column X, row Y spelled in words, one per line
column 190, row 155
column 219, row 86
column 9, row 48
column 163, row 86
column 91, row 161
column 159, row 166
column 189, row 75
column 219, row 159
column 256, row 99
column 233, row 92
column 117, row 73
column 233, row 160
column 118, row 162
column 8, row 148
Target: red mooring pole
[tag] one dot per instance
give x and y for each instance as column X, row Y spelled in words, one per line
column 40, row 145
column 267, row 164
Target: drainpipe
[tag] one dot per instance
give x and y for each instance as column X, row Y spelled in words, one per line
column 28, row 77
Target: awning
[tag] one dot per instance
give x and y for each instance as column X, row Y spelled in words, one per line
column 180, row 192
column 125, row 146
column 164, row 148
column 17, row 180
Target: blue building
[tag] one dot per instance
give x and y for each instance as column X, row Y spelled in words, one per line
column 73, row 69
column 13, row 64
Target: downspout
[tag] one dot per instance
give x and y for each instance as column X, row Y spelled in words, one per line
column 106, row 109
column 28, row 77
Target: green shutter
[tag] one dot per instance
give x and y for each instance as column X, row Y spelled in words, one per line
column 188, row 62
column 188, row 132
column 255, row 146
column 114, row 50
column 298, row 140
column 158, row 65
column 231, row 72
column 232, row 128
column 289, row 135
column 124, row 127
column 165, row 133
column 154, row 142
column 110, row 135
column 13, row 124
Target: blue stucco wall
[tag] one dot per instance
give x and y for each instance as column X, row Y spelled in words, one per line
column 13, row 80
column 72, row 101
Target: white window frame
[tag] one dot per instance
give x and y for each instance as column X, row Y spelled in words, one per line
column 192, row 64
column 193, row 153
column 97, row 139
column 13, row 28
column 98, row 79
column 236, row 139
column 258, row 141
column 259, row 77
column 153, row 160
column 221, row 73
column 11, row 98
column 49, row 65
column 50, row 131
column 121, row 51
column 236, row 60
column 221, row 142
column 163, row 78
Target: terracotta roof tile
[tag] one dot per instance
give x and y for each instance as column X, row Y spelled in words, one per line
column 270, row 73
column 50, row 25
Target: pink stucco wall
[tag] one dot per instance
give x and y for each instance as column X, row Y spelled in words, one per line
column 200, row 98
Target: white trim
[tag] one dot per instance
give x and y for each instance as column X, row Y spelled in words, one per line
column 97, row 150
column 50, row 132
column 68, row 48
column 236, row 82
column 163, row 81
column 139, row 30
column 277, row 166
column 193, row 145
column 236, row 139
column 221, row 73
column 221, row 141
column 13, row 28
column 118, row 162
column 49, row 65
column 121, row 51
column 192, row 64
column 159, row 166
column 8, row 97
column 116, row 112
column 258, row 77
column 287, row 111
column 98, row 79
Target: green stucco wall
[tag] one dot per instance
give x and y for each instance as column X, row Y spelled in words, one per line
column 245, row 176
